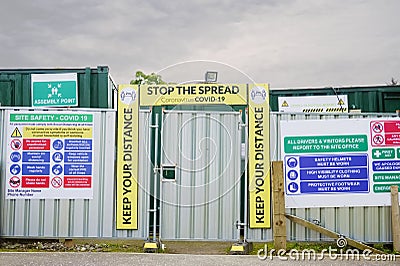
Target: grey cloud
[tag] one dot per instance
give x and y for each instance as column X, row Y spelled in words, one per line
column 285, row 43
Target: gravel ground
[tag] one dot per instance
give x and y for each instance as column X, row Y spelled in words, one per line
column 52, row 246
column 122, row 245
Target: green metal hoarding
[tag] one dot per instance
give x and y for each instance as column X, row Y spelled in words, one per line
column 94, row 88
column 368, row 99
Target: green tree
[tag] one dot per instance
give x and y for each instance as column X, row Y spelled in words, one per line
column 151, row 79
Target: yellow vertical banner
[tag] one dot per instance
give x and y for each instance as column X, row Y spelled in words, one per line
column 127, row 157
column 259, row 164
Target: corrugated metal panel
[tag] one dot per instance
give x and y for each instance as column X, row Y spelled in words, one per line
column 94, row 86
column 368, row 224
column 53, row 218
column 67, row 217
column 201, row 204
column 204, row 201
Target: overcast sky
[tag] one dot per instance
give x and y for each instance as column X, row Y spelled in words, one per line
column 287, row 43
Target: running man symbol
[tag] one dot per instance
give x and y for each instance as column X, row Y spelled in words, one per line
column 378, row 139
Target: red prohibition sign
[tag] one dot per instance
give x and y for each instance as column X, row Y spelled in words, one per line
column 16, row 144
column 377, row 127
column 378, row 139
column 56, row 182
column 14, row 181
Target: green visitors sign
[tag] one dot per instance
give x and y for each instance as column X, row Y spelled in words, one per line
column 333, row 143
column 386, row 177
column 384, row 188
column 54, row 90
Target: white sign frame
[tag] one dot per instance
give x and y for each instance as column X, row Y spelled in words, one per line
column 311, row 131
column 314, row 104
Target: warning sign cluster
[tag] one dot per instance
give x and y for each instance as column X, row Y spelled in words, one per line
column 45, row 161
column 385, row 133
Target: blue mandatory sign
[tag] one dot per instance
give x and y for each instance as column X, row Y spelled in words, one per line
column 78, row 169
column 58, row 144
column 35, row 169
column 57, row 169
column 292, row 162
column 334, row 173
column 36, row 156
column 15, row 157
column 333, row 161
column 78, row 144
column 57, row 157
column 78, row 157
column 292, row 175
column 15, row 169
column 348, row 186
column 293, row 187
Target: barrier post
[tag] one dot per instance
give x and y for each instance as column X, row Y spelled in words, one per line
column 278, row 194
column 394, row 192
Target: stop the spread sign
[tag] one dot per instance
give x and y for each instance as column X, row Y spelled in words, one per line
column 51, row 156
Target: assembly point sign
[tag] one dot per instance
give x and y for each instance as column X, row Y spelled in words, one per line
column 49, row 155
column 54, row 90
column 335, row 163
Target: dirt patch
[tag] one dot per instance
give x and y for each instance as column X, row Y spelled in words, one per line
column 112, row 245
column 198, row 247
